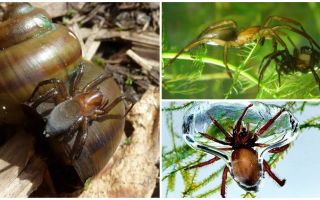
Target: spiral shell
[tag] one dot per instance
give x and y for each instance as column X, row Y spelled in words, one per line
column 32, row 49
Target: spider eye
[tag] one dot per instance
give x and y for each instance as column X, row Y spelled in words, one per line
column 243, row 133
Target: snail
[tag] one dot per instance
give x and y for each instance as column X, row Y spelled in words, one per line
column 35, row 50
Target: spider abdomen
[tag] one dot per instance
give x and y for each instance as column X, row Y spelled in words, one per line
column 62, row 117
column 245, row 168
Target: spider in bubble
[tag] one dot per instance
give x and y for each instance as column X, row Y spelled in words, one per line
column 245, row 167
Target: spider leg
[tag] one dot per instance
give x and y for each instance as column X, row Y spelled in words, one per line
column 103, row 113
column 292, row 43
column 224, row 181
column 316, row 77
column 57, row 84
column 289, row 27
column 80, row 140
column 104, row 103
column 238, row 126
column 76, row 80
column 269, row 123
column 204, row 37
column 214, row 139
column 207, row 40
column 262, row 68
column 271, row 174
column 302, row 33
column 49, row 94
column 283, row 19
column 260, row 145
column 225, row 60
column 204, row 41
column 96, row 82
column 215, row 122
column 202, row 164
column 279, row 74
column 279, row 149
column 277, row 37
column 73, row 129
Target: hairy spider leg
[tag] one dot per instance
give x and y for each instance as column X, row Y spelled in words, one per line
column 316, row 77
column 224, row 181
column 215, row 122
column 282, row 19
column 269, row 123
column 202, row 164
column 76, row 80
column 289, row 27
column 274, row 33
column 279, row 149
column 267, row 169
column 237, row 128
column 268, row 59
column 304, row 34
column 214, row 139
column 96, row 82
column 275, row 53
column 80, row 139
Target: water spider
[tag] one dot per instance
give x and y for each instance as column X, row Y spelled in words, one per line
column 225, row 33
column 243, row 146
column 302, row 60
column 76, row 109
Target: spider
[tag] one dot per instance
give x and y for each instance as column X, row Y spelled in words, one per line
column 302, row 60
column 224, row 33
column 74, row 111
column 246, row 167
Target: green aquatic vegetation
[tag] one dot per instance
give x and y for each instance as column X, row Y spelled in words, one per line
column 296, row 85
column 179, row 156
column 182, row 80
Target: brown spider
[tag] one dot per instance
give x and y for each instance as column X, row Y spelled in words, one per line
column 302, row 60
column 246, row 167
column 224, row 33
column 75, row 110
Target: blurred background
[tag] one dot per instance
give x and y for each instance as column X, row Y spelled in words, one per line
column 182, row 22
column 298, row 165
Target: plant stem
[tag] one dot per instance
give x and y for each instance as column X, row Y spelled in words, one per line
column 218, row 63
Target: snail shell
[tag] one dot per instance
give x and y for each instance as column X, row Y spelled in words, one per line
column 32, row 49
